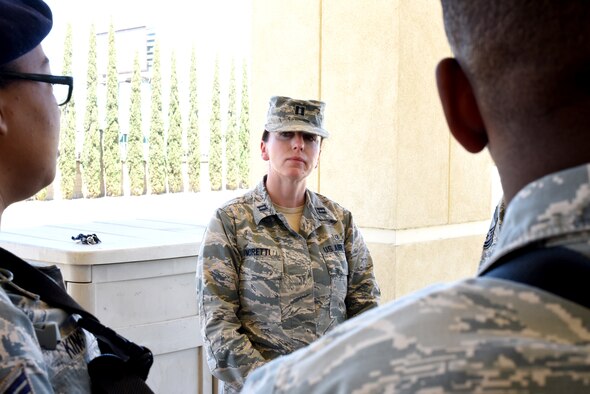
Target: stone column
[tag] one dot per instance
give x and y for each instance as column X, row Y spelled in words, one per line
column 422, row 202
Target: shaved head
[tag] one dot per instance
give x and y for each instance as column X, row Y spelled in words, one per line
column 519, row 84
column 524, row 58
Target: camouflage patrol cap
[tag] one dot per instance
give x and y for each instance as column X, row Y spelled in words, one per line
column 287, row 114
column 23, row 25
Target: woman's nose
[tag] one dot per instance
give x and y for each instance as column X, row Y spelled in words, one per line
column 298, row 141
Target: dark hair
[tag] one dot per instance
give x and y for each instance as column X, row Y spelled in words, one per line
column 519, row 55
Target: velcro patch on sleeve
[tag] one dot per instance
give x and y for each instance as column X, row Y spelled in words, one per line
column 17, row 382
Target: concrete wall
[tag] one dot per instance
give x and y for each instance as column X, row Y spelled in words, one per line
column 422, row 202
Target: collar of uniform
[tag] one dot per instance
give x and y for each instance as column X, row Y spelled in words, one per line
column 317, row 209
column 554, row 206
column 315, row 214
column 263, row 206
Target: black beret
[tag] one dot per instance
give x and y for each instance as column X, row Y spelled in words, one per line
column 23, row 25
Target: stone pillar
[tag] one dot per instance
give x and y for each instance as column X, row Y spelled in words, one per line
column 423, row 204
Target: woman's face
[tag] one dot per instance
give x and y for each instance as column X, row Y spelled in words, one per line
column 291, row 154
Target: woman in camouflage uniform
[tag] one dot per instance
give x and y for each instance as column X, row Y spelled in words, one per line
column 281, row 265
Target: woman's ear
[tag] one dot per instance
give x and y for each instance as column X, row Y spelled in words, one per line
column 460, row 107
column 263, row 151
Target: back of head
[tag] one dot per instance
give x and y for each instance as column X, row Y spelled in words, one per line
column 23, row 25
column 525, row 85
column 524, row 58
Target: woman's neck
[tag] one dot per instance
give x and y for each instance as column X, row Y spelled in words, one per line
column 286, row 193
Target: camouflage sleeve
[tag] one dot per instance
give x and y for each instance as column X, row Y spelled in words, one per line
column 363, row 292
column 22, row 366
column 264, row 380
column 230, row 353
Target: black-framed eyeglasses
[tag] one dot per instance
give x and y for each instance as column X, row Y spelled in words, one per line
column 62, row 85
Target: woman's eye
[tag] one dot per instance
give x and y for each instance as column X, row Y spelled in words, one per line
column 311, row 137
column 286, row 134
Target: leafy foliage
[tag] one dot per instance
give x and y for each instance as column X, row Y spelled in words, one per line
column 215, row 137
column 67, row 140
column 135, row 159
column 157, row 158
column 232, row 148
column 193, row 138
column 244, row 134
column 174, row 151
column 112, row 155
column 92, row 152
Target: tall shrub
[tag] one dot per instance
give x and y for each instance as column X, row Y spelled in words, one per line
column 135, row 160
column 215, row 137
column 193, row 139
column 92, row 147
column 232, row 147
column 67, row 140
column 112, row 152
column 174, row 151
column 244, row 162
column 157, row 158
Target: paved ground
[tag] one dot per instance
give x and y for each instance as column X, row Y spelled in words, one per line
column 197, row 207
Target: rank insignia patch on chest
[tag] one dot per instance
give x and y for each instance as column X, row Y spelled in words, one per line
column 262, row 207
column 321, row 210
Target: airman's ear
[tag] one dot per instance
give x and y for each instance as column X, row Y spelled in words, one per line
column 460, row 107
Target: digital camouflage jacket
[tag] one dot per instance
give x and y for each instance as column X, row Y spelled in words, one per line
column 265, row 290
column 42, row 349
column 476, row 335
